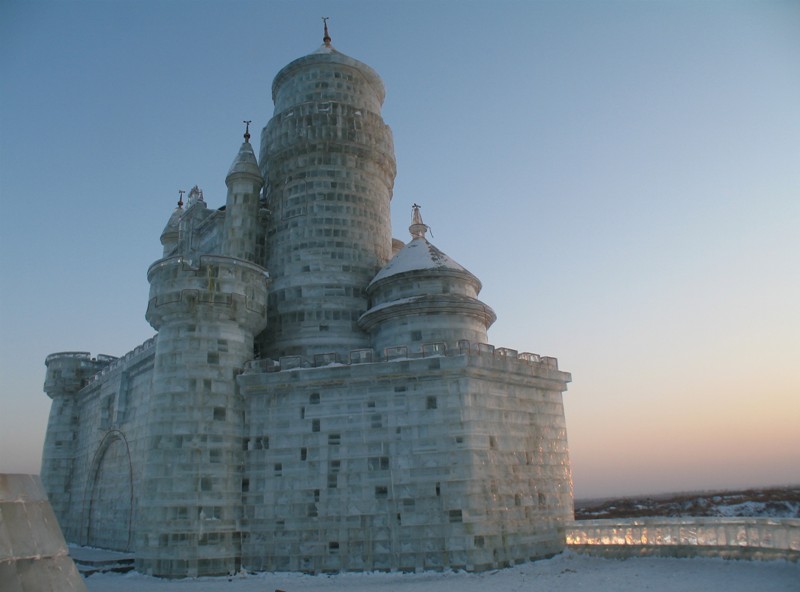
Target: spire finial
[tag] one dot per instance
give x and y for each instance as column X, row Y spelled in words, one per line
column 180, row 198
column 247, row 123
column 418, row 228
column 327, row 38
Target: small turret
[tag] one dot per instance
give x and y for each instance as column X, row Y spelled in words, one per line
column 244, row 181
column 207, row 308
column 67, row 373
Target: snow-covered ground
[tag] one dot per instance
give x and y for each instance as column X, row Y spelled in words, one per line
column 568, row 571
column 758, row 509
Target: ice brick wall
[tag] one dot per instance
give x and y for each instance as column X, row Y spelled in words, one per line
column 67, row 373
column 413, row 464
column 520, row 488
column 94, row 438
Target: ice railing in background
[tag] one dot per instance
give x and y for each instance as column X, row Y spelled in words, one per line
column 767, row 538
column 400, row 352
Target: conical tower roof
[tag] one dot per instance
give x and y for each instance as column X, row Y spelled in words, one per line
column 245, row 161
column 174, row 220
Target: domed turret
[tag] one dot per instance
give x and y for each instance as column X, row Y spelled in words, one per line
column 424, row 296
column 338, row 77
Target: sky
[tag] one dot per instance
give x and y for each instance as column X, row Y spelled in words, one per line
column 622, row 176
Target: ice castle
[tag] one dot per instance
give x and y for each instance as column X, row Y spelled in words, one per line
column 319, row 396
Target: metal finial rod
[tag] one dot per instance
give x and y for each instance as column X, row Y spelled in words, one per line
column 418, row 227
column 327, row 38
column 247, row 123
column 180, row 199
column 416, row 216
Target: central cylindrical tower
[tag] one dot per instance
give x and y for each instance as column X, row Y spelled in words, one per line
column 328, row 161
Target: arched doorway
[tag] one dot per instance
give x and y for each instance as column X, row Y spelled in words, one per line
column 109, row 506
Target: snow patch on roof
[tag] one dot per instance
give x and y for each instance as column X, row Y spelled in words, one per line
column 419, row 254
column 325, row 48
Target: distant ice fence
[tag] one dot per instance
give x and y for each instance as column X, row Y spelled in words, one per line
column 744, row 538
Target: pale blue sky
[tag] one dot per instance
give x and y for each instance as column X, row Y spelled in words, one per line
column 622, row 176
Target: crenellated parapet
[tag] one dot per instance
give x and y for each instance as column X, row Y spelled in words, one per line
column 126, row 361
column 482, row 355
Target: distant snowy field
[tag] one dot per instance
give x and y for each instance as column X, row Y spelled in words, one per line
column 774, row 502
column 566, row 572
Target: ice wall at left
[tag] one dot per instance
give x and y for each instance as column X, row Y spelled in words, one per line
column 33, row 553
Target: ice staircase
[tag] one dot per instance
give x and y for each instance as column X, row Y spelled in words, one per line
column 91, row 561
